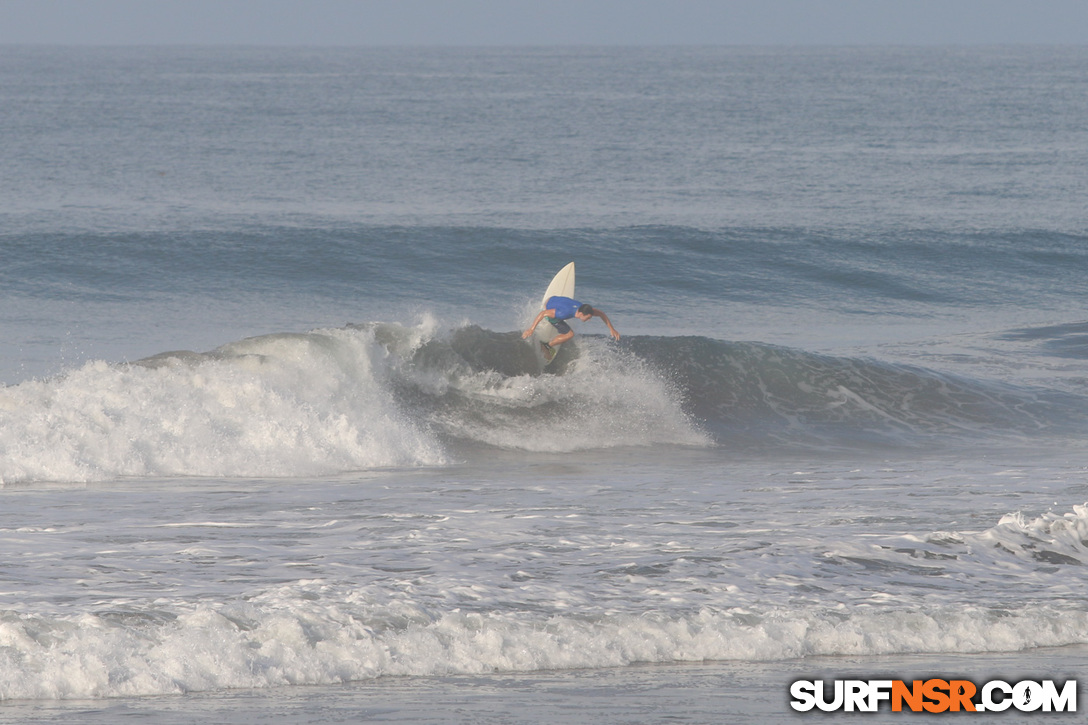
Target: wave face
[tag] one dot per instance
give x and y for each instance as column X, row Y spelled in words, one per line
column 479, row 385
column 385, row 395
column 754, row 394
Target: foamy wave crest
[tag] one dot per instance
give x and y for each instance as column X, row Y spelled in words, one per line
column 1019, row 552
column 313, row 633
column 1047, row 539
column 279, row 405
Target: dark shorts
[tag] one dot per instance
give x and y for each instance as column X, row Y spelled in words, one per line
column 560, row 325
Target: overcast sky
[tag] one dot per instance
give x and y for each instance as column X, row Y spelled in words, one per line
column 542, row 22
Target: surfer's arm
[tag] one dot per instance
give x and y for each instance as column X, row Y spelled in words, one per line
column 541, row 316
column 603, row 316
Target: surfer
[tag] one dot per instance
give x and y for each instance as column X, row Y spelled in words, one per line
column 559, row 310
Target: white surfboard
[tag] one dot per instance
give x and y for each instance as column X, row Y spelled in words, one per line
column 562, row 285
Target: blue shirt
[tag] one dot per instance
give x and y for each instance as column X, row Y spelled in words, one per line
column 564, row 307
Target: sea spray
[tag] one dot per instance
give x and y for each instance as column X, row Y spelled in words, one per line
column 485, row 387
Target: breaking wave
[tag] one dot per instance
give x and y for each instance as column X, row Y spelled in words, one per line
column 386, row 395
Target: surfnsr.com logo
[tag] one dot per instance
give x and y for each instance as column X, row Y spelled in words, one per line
column 934, row 695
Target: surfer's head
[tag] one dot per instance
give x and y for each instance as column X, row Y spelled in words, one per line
column 584, row 312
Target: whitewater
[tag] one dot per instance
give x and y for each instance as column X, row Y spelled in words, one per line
column 272, row 448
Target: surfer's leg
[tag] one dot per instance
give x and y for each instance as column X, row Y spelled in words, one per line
column 565, row 333
column 560, row 339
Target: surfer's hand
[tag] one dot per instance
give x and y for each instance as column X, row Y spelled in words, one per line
column 614, row 332
column 525, row 335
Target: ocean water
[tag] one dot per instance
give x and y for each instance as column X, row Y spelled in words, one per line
column 272, row 448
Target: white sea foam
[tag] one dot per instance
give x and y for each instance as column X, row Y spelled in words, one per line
column 1049, row 539
column 313, row 633
column 281, row 405
column 433, row 579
